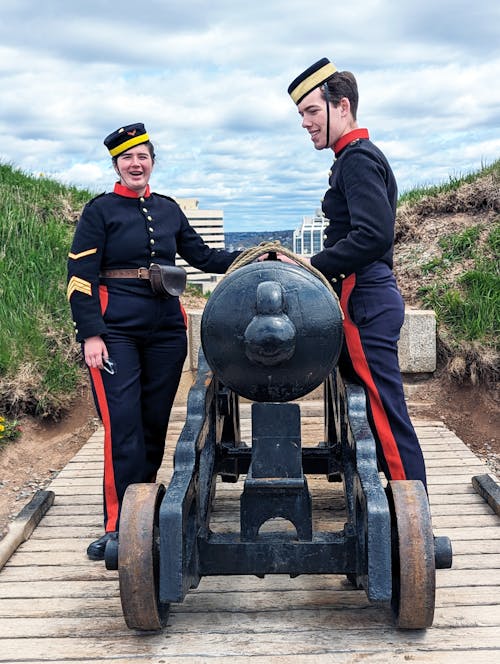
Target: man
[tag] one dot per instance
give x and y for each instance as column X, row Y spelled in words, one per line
column 357, row 259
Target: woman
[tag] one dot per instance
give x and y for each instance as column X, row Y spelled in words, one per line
column 133, row 339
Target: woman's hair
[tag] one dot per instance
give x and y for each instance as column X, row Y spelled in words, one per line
column 149, row 146
column 343, row 84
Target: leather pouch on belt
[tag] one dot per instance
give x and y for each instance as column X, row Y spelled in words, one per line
column 167, row 280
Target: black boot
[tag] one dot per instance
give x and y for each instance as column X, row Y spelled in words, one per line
column 95, row 551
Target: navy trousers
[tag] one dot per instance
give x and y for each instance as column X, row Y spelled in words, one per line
column 146, row 340
column 374, row 313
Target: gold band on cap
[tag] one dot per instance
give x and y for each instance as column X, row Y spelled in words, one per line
column 312, row 81
column 123, row 147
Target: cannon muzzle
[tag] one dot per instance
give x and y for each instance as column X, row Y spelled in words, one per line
column 272, row 331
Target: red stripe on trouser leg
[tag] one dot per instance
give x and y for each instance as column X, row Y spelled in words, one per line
column 360, row 364
column 110, row 496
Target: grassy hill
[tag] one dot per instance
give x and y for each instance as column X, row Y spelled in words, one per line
column 38, row 369
column 446, row 258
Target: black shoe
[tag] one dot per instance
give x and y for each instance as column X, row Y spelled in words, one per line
column 95, row 551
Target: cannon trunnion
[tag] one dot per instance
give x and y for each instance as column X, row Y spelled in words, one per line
column 272, row 333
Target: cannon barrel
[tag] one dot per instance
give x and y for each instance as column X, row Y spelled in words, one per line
column 272, row 331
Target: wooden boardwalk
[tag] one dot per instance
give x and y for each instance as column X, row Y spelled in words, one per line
column 56, row 606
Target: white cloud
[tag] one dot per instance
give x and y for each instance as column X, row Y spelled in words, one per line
column 209, row 81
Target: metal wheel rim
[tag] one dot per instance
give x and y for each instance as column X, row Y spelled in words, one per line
column 413, row 565
column 138, row 558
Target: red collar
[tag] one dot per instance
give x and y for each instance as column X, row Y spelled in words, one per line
column 128, row 193
column 349, row 138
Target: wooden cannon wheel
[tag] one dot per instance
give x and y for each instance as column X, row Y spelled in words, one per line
column 138, row 558
column 413, row 564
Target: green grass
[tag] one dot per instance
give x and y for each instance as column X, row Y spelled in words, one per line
column 460, row 245
column 35, row 329
column 454, row 182
column 470, row 306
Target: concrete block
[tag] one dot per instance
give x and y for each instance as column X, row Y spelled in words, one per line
column 194, row 340
column 417, row 343
column 416, row 348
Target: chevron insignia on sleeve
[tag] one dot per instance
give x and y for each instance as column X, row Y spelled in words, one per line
column 82, row 254
column 77, row 284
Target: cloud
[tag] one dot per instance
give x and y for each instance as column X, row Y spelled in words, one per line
column 209, row 81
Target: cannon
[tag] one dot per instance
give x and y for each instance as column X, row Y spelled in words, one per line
column 271, row 333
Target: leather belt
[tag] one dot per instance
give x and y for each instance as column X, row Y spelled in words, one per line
column 132, row 273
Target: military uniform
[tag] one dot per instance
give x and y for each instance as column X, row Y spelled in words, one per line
column 357, row 258
column 145, row 335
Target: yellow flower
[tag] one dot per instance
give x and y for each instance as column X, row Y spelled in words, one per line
column 2, row 428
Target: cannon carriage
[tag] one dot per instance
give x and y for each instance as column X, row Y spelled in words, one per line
column 271, row 334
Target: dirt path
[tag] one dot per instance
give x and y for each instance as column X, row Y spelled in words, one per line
column 34, row 459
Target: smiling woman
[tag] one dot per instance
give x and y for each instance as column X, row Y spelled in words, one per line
column 134, row 167
column 133, row 333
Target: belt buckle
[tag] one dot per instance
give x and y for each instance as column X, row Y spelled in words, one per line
column 143, row 273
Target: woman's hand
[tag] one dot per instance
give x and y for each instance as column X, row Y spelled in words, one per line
column 95, row 350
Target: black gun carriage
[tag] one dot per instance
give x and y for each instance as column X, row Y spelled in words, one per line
column 271, row 333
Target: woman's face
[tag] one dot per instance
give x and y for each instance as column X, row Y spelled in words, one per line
column 134, row 168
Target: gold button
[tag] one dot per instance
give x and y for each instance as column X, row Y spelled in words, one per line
column 151, row 229
column 144, row 209
column 342, row 276
column 153, row 253
column 150, row 218
column 76, row 331
column 151, row 241
column 334, row 281
column 324, row 236
column 141, row 199
column 330, row 172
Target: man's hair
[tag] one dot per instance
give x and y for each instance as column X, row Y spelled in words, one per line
column 343, row 84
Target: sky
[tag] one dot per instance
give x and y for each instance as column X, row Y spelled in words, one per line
column 209, row 80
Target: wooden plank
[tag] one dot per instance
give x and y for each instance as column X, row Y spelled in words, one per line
column 466, row 521
column 469, row 533
column 291, row 643
column 58, row 606
column 476, row 560
column 479, row 546
column 451, row 509
column 414, row 655
column 371, row 618
column 218, row 601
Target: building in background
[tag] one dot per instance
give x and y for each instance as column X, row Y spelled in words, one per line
column 308, row 238
column 210, row 225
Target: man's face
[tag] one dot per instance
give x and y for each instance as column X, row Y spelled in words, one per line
column 312, row 109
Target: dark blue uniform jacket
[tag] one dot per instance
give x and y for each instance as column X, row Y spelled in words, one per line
column 120, row 231
column 361, row 207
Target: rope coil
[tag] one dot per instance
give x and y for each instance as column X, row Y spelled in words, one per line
column 250, row 255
